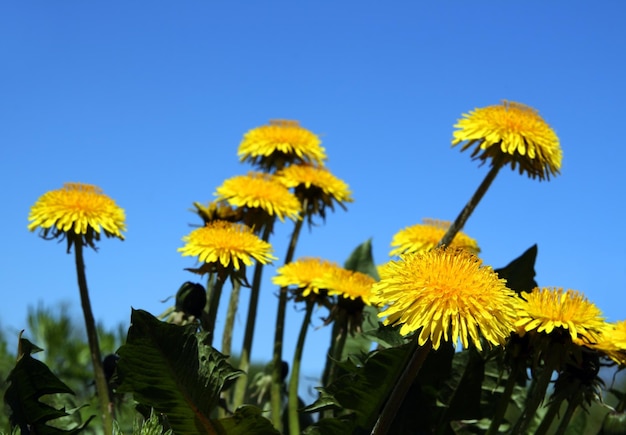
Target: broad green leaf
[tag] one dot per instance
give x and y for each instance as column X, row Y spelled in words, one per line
column 247, row 420
column 520, row 273
column 171, row 369
column 463, row 395
column 30, row 381
column 363, row 390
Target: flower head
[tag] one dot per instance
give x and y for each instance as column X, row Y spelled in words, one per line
column 280, row 143
column 447, row 293
column 544, row 310
column 514, row 133
column 317, row 185
column 225, row 246
column 261, row 192
column 348, row 284
column 426, row 236
column 78, row 211
column 304, row 274
column 612, row 342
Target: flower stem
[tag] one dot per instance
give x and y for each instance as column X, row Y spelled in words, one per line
column 552, row 412
column 459, row 223
column 569, row 413
column 241, row 385
column 401, row 387
column 213, row 306
column 536, row 394
column 503, row 402
column 338, row 342
column 276, row 387
column 229, row 325
column 102, row 388
column 294, row 418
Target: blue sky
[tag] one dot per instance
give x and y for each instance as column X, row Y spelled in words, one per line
column 150, row 100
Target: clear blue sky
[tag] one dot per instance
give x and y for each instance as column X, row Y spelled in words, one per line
column 149, row 101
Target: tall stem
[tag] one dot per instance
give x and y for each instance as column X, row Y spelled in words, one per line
column 338, row 342
column 459, row 223
column 294, row 378
column 229, row 325
column 106, row 405
column 276, row 388
column 213, row 306
column 536, row 394
column 503, row 402
column 569, row 413
column 401, row 387
column 241, row 384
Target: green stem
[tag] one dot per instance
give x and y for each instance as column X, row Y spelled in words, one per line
column 277, row 381
column 294, row 418
column 213, row 307
column 552, row 412
column 106, row 405
column 459, row 223
column 504, row 400
column 241, row 384
column 401, row 387
column 569, row 413
column 340, row 335
column 536, row 394
column 229, row 325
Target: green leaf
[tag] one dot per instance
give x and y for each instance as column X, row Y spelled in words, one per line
column 171, row 369
column 247, row 420
column 520, row 273
column 465, row 386
column 29, row 381
column 363, row 389
column 362, row 260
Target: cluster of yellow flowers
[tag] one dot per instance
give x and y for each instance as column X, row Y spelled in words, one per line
column 442, row 293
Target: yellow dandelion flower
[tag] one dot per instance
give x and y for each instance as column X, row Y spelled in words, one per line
column 426, row 236
column 348, row 284
column 447, row 293
column 317, row 186
column 315, row 177
column 304, row 274
column 612, row 342
column 514, row 133
column 260, row 191
column 544, row 310
column 226, row 245
column 77, row 210
column 280, row 143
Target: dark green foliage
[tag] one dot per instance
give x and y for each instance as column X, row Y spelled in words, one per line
column 171, row 369
column 520, row 273
column 29, row 382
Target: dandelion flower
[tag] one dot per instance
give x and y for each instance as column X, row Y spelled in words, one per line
column 348, row 284
column 612, row 342
column 260, row 191
column 446, row 293
column 426, row 236
column 77, row 210
column 280, row 143
column 544, row 310
column 317, row 185
column 304, row 274
column 514, row 133
column 226, row 245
